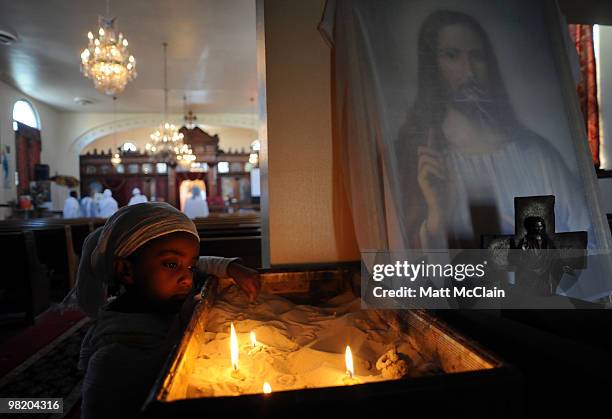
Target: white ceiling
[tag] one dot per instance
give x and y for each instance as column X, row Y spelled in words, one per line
column 211, row 52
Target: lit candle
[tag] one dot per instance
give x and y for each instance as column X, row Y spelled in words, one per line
column 348, row 359
column 349, row 379
column 253, row 339
column 234, row 347
column 266, row 388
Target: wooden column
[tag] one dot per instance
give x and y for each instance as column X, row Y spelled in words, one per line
column 212, row 180
column 171, row 185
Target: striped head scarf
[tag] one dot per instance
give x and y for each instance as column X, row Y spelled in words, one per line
column 122, row 234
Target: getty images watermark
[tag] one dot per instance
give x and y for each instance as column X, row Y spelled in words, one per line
column 413, row 272
column 485, row 279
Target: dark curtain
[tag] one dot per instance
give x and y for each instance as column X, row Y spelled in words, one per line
column 587, row 88
column 28, row 148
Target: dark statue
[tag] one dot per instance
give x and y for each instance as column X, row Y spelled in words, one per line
column 537, row 254
column 538, row 269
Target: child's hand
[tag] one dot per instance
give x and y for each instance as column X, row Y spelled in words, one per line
column 246, row 278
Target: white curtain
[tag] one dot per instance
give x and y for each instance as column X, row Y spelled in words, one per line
column 444, row 112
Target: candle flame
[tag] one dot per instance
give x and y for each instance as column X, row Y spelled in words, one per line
column 234, row 347
column 348, row 359
column 267, row 389
column 253, row 339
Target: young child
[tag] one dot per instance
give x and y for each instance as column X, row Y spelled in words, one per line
column 150, row 252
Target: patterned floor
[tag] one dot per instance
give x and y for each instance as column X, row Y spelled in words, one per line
column 51, row 372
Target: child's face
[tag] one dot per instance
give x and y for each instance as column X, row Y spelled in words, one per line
column 163, row 268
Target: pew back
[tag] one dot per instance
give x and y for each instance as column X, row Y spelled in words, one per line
column 24, row 287
column 231, row 235
column 59, row 241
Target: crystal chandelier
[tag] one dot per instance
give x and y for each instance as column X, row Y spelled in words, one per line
column 106, row 60
column 185, row 155
column 166, row 143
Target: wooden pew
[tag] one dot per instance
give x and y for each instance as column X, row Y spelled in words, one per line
column 231, row 235
column 229, row 226
column 54, row 246
column 80, row 227
column 26, row 290
column 60, row 241
column 233, row 219
column 53, row 249
column 248, row 248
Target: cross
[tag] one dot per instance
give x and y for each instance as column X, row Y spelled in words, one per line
column 190, row 119
column 569, row 248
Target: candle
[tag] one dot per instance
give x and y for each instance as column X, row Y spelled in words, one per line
column 234, row 347
column 349, row 379
column 253, row 339
column 234, row 354
column 267, row 389
column 348, row 360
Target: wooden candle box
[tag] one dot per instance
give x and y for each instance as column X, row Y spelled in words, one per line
column 472, row 380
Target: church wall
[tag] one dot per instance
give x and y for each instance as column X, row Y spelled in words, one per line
column 50, row 123
column 309, row 218
column 75, row 124
column 82, row 125
column 229, row 138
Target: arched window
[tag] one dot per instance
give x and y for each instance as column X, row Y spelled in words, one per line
column 25, row 113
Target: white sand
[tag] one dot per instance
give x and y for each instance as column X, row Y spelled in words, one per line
column 299, row 346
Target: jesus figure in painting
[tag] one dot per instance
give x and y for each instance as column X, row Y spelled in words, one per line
column 463, row 153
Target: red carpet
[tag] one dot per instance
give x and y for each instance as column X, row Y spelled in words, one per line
column 48, row 326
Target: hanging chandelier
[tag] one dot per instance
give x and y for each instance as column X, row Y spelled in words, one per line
column 116, row 157
column 106, row 60
column 189, row 118
column 185, row 156
column 166, row 143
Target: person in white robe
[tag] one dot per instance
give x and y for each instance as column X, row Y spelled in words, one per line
column 137, row 197
column 71, row 206
column 107, row 205
column 133, row 333
column 196, row 206
column 88, row 207
column 97, row 197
